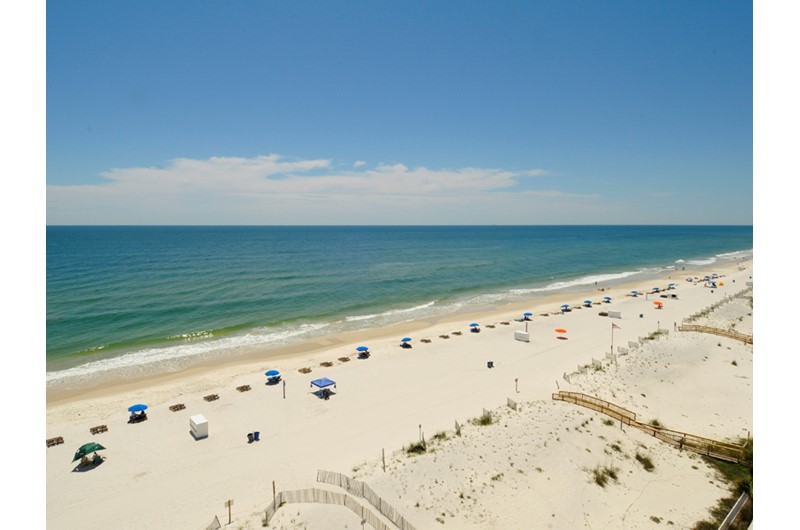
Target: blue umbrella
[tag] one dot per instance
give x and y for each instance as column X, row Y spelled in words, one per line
column 272, row 373
column 527, row 314
column 587, row 301
column 406, row 339
column 565, row 305
column 606, row 298
column 362, row 348
column 137, row 408
column 473, row 325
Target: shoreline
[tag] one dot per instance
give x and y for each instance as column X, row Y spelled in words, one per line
column 344, row 344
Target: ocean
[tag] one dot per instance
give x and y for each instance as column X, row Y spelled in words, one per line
column 127, row 300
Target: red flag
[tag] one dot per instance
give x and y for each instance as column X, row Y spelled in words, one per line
column 614, row 326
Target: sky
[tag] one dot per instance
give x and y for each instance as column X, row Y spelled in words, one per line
column 377, row 112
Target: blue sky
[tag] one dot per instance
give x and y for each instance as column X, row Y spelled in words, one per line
column 399, row 112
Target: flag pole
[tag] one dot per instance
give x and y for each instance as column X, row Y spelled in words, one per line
column 612, row 338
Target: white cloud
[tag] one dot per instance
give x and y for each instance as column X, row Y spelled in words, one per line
column 273, row 190
column 359, row 163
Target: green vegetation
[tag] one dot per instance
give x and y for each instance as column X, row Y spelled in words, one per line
column 608, row 421
column 602, row 474
column 740, row 479
column 483, row 419
column 645, row 461
column 416, row 448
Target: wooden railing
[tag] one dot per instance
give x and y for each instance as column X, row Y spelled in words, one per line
column 748, row 339
column 727, row 451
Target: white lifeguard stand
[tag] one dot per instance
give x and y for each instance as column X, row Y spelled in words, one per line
column 198, row 424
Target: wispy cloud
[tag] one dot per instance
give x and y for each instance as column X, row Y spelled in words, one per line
column 274, row 190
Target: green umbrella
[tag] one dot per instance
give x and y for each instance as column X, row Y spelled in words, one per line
column 85, row 449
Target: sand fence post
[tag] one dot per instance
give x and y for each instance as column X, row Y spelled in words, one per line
column 383, row 458
column 273, row 494
column 228, row 505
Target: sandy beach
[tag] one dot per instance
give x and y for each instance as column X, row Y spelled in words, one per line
column 531, row 465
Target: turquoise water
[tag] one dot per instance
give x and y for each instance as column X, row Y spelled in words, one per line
column 125, row 298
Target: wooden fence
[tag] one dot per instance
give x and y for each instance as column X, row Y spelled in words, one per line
column 319, row 496
column 748, row 339
column 706, row 446
column 361, row 489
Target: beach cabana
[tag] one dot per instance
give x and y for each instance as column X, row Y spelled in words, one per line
column 363, row 352
column 474, row 327
column 273, row 376
column 711, row 284
column 405, row 342
column 634, row 294
column 323, row 385
column 656, row 289
column 607, row 299
column 672, row 286
column 587, row 303
column 565, row 308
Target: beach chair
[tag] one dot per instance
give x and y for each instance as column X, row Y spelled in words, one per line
column 211, row 397
column 177, row 407
column 256, row 436
column 98, row 429
column 243, row 388
column 249, row 437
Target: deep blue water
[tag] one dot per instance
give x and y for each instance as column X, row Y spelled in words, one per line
column 123, row 297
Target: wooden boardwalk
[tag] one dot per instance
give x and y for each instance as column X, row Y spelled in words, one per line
column 727, row 451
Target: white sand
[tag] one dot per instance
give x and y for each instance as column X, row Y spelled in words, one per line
column 157, row 476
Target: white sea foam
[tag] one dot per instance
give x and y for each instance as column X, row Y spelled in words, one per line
column 585, row 280
column 171, row 358
column 391, row 313
column 739, row 254
column 708, row 261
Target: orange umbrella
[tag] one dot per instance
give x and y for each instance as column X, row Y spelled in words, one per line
column 559, row 330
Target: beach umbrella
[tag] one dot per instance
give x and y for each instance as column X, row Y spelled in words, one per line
column 406, row 339
column 272, row 373
column 659, row 304
column 85, row 449
column 137, row 408
column 473, row 325
column 560, row 330
column 656, row 288
column 607, row 298
column 362, row 348
column 587, row 302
